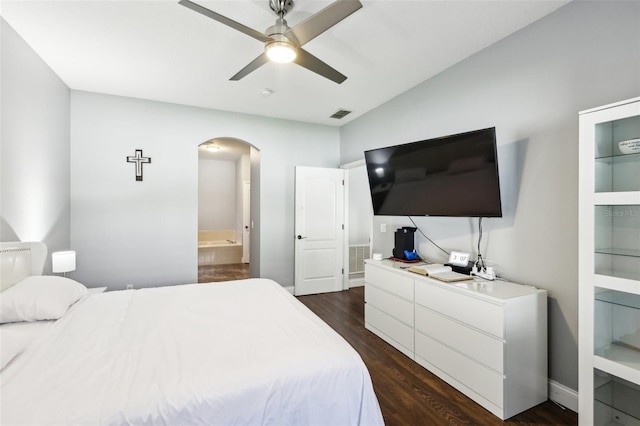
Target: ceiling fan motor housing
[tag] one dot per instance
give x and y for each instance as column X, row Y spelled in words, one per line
column 277, row 31
column 281, row 7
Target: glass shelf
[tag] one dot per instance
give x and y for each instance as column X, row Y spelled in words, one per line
column 617, row 330
column 615, row 401
column 621, row 354
column 627, row 267
column 617, row 241
column 616, row 171
column 614, row 157
column 618, row 251
column 619, row 298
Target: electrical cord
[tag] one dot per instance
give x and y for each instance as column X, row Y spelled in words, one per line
column 480, row 265
column 428, row 239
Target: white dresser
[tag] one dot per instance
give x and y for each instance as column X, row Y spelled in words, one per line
column 486, row 339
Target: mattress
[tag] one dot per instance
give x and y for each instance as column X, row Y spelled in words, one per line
column 239, row 352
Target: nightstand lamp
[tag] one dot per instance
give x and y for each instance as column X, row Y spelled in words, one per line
column 63, row 261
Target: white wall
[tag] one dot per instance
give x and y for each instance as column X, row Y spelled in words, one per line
column 531, row 86
column 360, row 212
column 145, row 233
column 217, row 188
column 34, row 156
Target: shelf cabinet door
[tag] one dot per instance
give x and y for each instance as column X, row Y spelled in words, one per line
column 609, row 264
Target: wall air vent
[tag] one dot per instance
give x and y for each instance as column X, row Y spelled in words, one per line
column 340, row 113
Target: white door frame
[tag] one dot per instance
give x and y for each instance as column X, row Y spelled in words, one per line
column 246, row 221
column 347, row 167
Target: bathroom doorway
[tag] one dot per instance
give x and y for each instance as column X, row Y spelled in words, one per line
column 224, row 218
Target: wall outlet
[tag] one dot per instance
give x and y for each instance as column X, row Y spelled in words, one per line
column 383, row 227
column 129, row 286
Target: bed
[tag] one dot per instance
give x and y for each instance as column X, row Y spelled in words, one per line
column 233, row 353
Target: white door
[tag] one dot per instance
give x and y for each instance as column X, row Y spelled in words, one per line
column 246, row 221
column 319, row 230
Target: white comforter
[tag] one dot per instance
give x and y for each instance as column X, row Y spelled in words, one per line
column 240, row 352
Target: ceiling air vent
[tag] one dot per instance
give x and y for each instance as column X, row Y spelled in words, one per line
column 340, row 113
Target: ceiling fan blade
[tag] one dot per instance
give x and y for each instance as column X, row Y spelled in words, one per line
column 310, row 62
column 224, row 20
column 253, row 65
column 320, row 22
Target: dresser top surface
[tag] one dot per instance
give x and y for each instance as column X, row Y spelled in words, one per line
column 498, row 289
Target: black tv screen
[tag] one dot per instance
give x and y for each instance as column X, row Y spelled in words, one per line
column 454, row 175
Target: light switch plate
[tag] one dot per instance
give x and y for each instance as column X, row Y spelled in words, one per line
column 459, row 258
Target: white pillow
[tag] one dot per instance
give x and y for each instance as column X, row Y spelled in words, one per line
column 12, row 342
column 39, row 297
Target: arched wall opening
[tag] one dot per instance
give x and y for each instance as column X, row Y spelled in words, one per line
column 228, row 210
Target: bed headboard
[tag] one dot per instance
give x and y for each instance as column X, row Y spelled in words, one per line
column 19, row 260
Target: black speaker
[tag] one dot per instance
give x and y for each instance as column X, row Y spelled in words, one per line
column 404, row 241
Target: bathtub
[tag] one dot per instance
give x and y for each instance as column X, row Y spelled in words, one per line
column 219, row 247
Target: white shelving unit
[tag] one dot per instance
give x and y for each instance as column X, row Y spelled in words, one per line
column 609, row 267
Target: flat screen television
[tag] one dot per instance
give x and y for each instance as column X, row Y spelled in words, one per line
column 455, row 175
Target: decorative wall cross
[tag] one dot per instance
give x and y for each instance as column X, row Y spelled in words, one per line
column 138, row 159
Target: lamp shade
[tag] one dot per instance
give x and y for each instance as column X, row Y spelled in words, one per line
column 63, row 261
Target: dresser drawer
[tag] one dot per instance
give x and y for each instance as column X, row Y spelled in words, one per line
column 485, row 349
column 395, row 306
column 400, row 333
column 486, row 383
column 469, row 310
column 389, row 281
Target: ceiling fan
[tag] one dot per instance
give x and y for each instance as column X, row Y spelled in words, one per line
column 283, row 43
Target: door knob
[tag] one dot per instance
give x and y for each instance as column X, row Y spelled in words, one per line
column 300, row 237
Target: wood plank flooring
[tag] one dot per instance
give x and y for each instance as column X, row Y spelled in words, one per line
column 216, row 273
column 408, row 394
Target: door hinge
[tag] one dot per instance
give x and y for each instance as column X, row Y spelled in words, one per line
column 342, row 182
column 342, row 271
column 343, row 226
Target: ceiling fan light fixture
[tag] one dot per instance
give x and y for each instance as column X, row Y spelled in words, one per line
column 280, row 52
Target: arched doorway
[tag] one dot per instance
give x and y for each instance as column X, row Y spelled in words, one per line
column 225, row 210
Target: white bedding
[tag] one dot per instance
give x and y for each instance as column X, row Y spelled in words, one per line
column 33, row 329
column 240, row 352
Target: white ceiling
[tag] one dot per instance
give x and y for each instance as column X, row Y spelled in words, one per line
column 162, row 51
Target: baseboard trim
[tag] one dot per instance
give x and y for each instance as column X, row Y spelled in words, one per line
column 356, row 282
column 289, row 289
column 563, row 395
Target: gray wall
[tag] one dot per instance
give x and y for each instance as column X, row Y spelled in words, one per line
column 217, row 195
column 34, row 144
column 145, row 233
column 359, row 206
column 531, row 86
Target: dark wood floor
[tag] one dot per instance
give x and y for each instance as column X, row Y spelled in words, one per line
column 408, row 394
column 216, row 273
